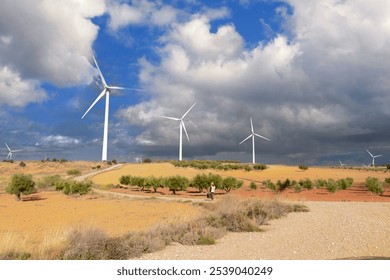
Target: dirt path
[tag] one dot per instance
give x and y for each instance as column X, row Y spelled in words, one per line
column 331, row 230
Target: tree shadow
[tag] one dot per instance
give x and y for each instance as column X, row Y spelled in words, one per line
column 34, row 197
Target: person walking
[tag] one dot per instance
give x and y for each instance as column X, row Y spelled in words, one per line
column 212, row 190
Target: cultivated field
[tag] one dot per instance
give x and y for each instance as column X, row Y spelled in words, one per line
column 42, row 222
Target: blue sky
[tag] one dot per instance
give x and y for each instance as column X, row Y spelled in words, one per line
column 313, row 75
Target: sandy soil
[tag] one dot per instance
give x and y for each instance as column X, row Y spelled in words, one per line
column 331, row 230
column 51, row 214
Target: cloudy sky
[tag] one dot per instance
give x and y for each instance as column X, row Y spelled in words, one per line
column 313, row 75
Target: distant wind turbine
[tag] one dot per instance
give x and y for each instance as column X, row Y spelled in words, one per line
column 342, row 164
column 373, row 157
column 253, row 134
column 9, row 156
column 182, row 126
column 105, row 92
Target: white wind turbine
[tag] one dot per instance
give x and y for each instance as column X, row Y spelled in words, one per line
column 105, row 92
column 373, row 157
column 9, row 156
column 181, row 129
column 253, row 134
column 342, row 164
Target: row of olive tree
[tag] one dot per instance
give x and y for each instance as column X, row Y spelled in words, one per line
column 219, row 165
column 179, row 183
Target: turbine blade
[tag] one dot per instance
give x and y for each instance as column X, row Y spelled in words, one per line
column 7, row 147
column 16, row 151
column 185, row 130
column 115, row 87
column 96, row 100
column 245, row 139
column 100, row 73
column 369, row 152
column 258, row 135
column 377, row 156
column 170, row 118
column 123, row 88
column 251, row 125
column 188, row 111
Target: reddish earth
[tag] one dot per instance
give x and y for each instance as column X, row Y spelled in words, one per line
column 356, row 193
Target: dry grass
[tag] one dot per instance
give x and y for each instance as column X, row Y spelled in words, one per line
column 228, row 214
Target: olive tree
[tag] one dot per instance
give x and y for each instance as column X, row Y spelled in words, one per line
column 21, row 184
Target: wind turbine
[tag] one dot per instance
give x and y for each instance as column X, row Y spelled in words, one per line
column 9, row 156
column 253, row 134
column 181, row 129
column 105, row 92
column 373, row 157
column 342, row 164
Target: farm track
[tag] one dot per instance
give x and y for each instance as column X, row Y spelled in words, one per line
column 331, row 230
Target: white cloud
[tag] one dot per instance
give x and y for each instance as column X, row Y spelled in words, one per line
column 59, row 141
column 327, row 78
column 17, row 92
column 140, row 12
column 47, row 41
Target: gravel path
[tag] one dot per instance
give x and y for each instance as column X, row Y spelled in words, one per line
column 331, row 230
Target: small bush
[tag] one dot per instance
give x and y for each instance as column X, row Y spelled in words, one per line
column 283, row 185
column 374, row 185
column 147, row 160
column 176, row 183
column 231, row 183
column 22, row 164
column 306, row 183
column 125, row 180
column 303, row 167
column 70, row 187
column 269, row 185
column 48, row 181
column 259, row 166
column 248, row 168
column 114, row 161
column 321, row 183
column 387, row 180
column 344, row 184
column 331, row 186
column 73, row 172
column 21, row 184
column 253, row 186
column 297, row 187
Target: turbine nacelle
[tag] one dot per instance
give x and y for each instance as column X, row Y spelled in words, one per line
column 182, row 126
column 253, row 134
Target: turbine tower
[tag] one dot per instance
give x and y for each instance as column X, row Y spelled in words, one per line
column 373, row 157
column 182, row 126
column 105, row 92
column 9, row 156
column 253, row 134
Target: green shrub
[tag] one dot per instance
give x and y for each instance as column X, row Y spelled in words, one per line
column 70, row 187
column 216, row 179
column 387, row 180
column 48, row 181
column 22, row 164
column 306, row 183
column 200, row 182
column 297, row 187
column 303, row 167
column 73, row 172
column 21, row 184
column 321, row 183
column 259, row 166
column 280, row 186
column 248, row 168
column 253, row 186
column 331, row 186
column 374, row 185
column 176, row 183
column 137, row 181
column 344, row 184
column 231, row 183
column 269, row 185
column 125, row 180
column 147, row 160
